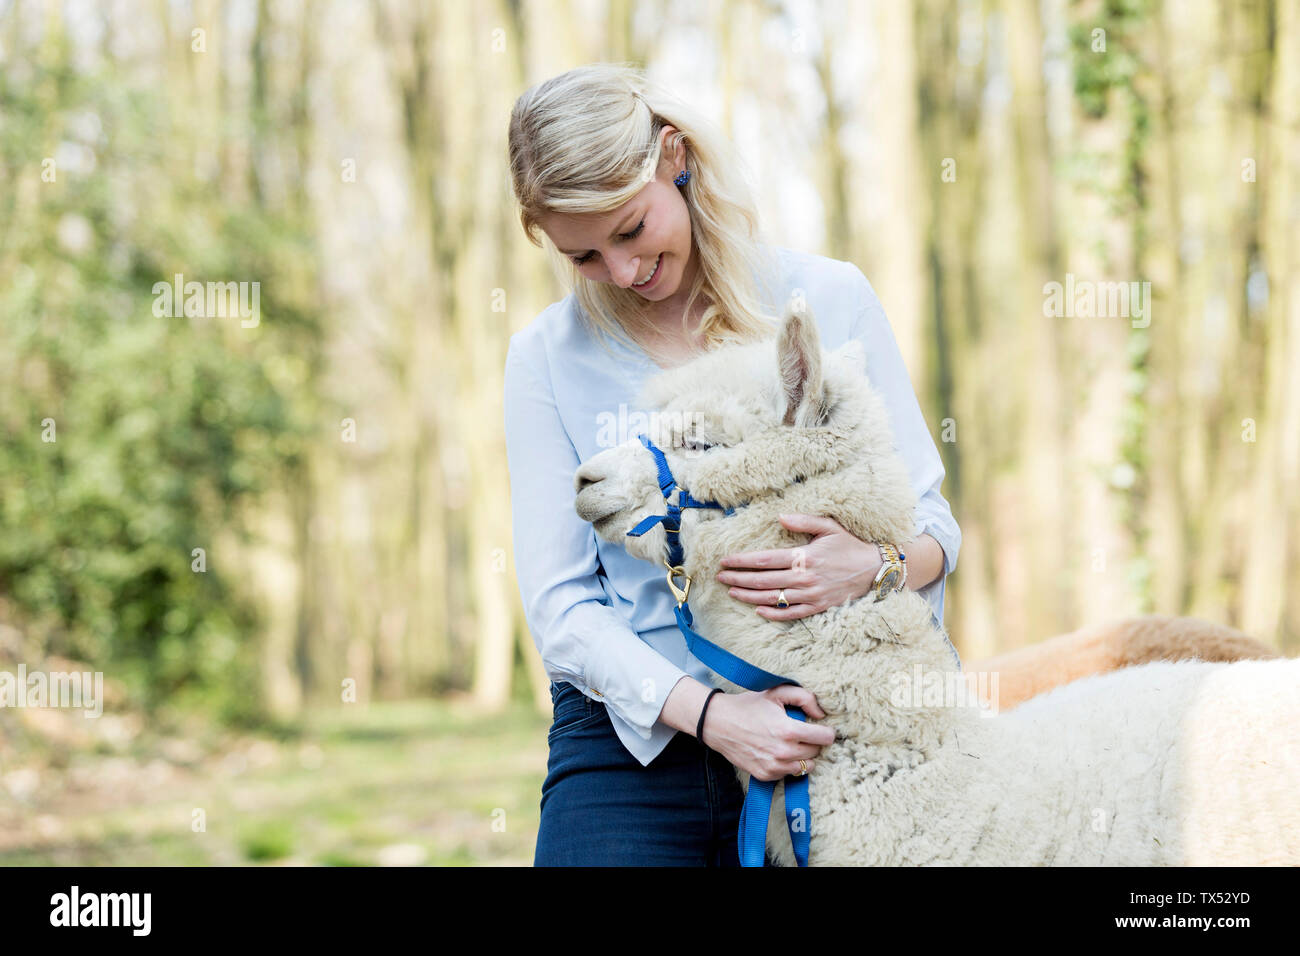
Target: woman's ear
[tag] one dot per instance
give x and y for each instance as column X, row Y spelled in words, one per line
column 670, row 158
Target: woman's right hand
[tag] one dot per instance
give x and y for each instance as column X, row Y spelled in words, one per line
column 752, row 730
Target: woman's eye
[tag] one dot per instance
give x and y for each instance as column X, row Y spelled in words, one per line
column 580, row 260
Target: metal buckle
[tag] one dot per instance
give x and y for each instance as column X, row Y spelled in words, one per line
column 679, row 571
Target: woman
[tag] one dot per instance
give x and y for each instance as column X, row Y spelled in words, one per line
column 647, row 219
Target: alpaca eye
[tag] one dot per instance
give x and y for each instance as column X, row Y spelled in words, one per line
column 692, row 444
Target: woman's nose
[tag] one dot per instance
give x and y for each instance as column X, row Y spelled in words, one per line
column 624, row 272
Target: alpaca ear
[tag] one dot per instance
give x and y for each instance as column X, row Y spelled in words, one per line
column 799, row 368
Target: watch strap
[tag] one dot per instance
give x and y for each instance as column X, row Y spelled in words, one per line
column 891, row 559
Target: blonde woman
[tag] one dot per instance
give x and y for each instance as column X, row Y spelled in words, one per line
column 642, row 208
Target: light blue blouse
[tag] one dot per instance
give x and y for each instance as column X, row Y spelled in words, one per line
column 602, row 619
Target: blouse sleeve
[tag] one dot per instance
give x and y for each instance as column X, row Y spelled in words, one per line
column 888, row 374
column 582, row 639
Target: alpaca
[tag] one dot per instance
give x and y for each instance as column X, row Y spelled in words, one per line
column 1029, row 671
column 1168, row 763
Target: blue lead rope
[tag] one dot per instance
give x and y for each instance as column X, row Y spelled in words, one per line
column 752, row 835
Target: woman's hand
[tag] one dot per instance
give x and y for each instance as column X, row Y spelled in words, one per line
column 833, row 568
column 753, row 731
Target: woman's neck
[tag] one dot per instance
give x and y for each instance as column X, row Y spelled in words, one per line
column 665, row 343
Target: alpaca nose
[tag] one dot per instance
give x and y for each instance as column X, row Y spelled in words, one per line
column 585, row 477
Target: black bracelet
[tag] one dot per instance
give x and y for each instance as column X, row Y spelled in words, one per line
column 699, row 728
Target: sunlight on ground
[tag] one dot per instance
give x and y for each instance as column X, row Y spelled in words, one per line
column 390, row 784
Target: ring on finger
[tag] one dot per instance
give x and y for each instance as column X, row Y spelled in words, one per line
column 780, row 599
column 803, row 768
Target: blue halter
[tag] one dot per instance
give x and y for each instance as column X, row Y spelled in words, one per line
column 752, row 835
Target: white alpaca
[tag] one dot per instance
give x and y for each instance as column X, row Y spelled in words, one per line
column 1168, row 763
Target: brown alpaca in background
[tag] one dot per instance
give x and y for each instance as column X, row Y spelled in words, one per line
column 1030, row 671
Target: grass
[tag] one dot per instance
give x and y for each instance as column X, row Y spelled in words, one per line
column 395, row 783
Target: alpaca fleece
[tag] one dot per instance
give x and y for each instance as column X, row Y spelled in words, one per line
column 1184, row 762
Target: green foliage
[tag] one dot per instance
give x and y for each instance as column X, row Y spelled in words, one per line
column 339, row 858
column 1097, row 75
column 270, row 841
column 164, row 428
column 1096, row 71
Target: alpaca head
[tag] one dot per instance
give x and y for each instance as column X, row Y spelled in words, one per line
column 743, row 425
column 746, row 421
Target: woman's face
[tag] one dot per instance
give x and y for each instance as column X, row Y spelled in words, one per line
column 649, row 236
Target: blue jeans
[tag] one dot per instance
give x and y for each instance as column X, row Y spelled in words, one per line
column 600, row 807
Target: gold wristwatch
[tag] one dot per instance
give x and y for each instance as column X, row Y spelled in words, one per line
column 893, row 571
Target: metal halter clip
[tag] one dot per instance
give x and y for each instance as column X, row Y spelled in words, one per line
column 679, row 593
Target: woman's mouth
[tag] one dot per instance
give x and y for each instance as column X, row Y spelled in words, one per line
column 654, row 276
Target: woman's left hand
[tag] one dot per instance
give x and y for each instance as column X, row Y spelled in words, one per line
column 833, row 568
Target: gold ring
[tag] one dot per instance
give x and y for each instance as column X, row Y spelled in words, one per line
column 780, row 599
column 803, row 769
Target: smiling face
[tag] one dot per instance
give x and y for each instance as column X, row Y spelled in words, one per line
column 649, row 236
column 735, row 424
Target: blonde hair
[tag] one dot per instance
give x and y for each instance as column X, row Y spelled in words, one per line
column 587, row 141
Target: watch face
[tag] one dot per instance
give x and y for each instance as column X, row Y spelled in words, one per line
column 889, row 582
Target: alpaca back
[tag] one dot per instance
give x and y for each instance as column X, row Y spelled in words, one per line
column 1239, row 754
column 1190, row 762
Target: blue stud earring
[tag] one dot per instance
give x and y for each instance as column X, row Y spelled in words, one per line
column 683, row 177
